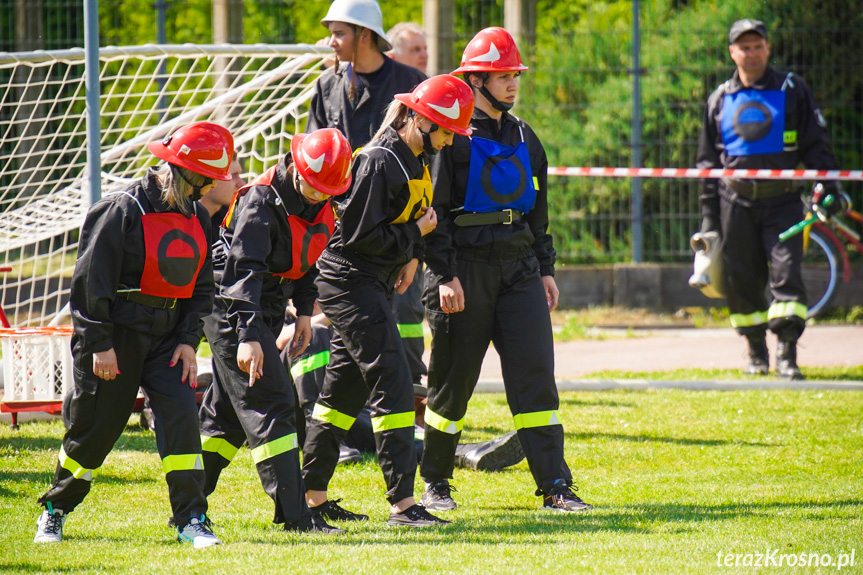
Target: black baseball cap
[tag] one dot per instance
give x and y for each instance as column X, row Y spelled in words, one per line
column 746, row 26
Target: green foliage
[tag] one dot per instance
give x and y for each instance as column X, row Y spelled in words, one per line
column 843, row 315
column 574, row 327
column 580, row 102
column 578, row 92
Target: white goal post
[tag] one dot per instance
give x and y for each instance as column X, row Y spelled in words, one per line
column 259, row 92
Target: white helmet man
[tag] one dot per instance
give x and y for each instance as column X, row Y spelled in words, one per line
column 362, row 13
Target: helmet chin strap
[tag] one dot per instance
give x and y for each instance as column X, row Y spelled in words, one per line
column 427, row 145
column 495, row 103
column 196, row 190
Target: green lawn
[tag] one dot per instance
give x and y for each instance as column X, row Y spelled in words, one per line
column 813, row 374
column 677, row 478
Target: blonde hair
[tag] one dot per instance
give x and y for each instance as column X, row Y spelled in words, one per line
column 177, row 184
column 397, row 116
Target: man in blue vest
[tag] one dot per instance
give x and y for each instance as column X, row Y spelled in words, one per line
column 762, row 118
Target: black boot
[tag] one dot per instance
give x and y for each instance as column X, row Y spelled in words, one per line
column 492, row 455
column 349, row 455
column 786, row 360
column 759, row 359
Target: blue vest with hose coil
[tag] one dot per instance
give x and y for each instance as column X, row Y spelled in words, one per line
column 500, row 177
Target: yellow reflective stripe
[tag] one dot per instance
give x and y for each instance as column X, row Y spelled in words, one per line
column 410, row 329
column 536, row 183
column 536, row 419
column 392, row 421
column 787, row 309
column 274, row 447
column 77, row 470
column 442, row 423
column 331, row 416
column 220, row 446
column 310, row 363
column 183, row 462
column 747, row 320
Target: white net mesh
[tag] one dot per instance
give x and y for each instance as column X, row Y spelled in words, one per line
column 259, row 92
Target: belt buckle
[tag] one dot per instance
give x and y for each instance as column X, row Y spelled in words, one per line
column 755, row 186
column 173, row 301
column 508, row 211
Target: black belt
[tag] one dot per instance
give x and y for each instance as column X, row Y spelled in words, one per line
column 758, row 189
column 149, row 300
column 505, row 217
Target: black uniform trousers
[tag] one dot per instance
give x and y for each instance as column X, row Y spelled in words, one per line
column 367, row 364
column 409, row 312
column 505, row 304
column 308, row 370
column 99, row 410
column 754, row 256
column 232, row 413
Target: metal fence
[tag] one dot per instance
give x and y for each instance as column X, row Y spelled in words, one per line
column 578, row 93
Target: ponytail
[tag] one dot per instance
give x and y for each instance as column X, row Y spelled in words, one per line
column 397, row 116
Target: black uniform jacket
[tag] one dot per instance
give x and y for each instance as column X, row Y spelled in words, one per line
column 802, row 115
column 359, row 119
column 379, row 194
column 449, row 173
column 255, row 244
column 111, row 254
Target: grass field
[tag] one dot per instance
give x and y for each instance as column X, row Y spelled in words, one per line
column 679, row 479
column 833, row 373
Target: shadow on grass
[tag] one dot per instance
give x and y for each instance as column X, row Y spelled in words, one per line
column 532, row 527
column 548, row 528
column 132, row 439
column 597, row 403
column 492, row 431
column 8, row 567
column 10, row 478
column 660, row 439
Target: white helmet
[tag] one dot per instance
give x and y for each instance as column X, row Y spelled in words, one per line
column 364, row 13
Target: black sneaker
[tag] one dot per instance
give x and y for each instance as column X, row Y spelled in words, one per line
column 332, row 511
column 438, row 496
column 415, row 516
column 561, row 497
column 349, row 455
column 492, row 455
column 313, row 523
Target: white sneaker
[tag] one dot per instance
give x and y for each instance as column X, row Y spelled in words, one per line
column 198, row 533
column 49, row 526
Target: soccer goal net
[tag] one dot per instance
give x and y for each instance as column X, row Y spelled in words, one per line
column 259, row 92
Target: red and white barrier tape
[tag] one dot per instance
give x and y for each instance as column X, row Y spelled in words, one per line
column 846, row 175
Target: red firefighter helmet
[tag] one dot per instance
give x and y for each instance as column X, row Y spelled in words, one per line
column 491, row 50
column 203, row 147
column 323, row 159
column 445, row 100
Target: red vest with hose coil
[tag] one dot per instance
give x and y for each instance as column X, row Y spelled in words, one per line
column 175, row 249
column 308, row 239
